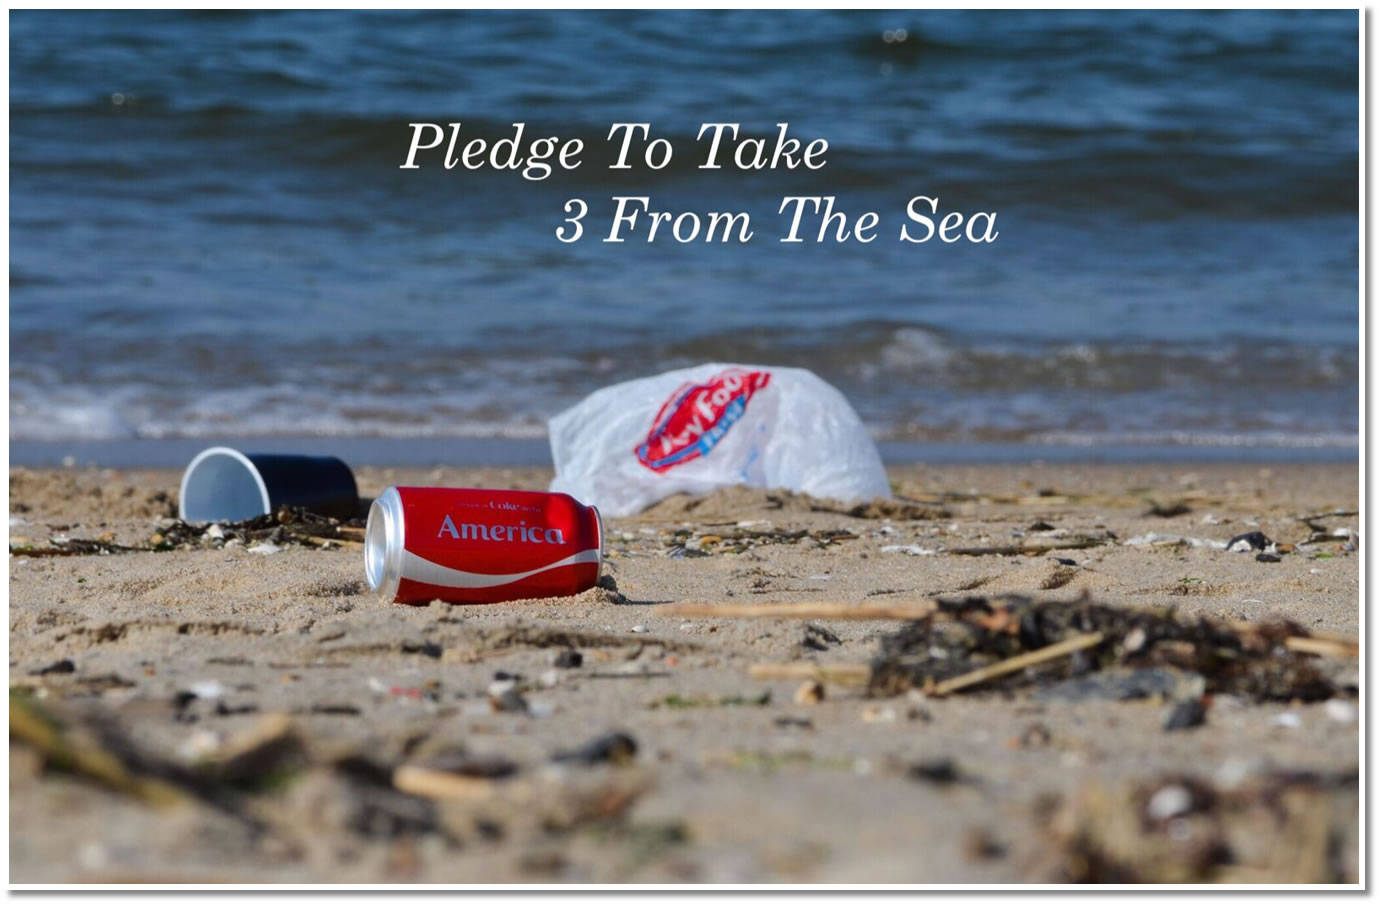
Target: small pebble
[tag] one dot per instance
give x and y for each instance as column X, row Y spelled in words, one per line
column 616, row 748
column 809, row 692
column 1171, row 801
column 1186, row 714
column 639, row 629
column 1341, row 710
column 940, row 772
column 1288, row 720
column 208, row 689
column 877, row 713
column 1253, row 540
column 508, row 702
column 500, row 687
column 569, row 659
column 1036, row 735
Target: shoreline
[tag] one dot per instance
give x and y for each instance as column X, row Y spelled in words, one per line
column 519, row 452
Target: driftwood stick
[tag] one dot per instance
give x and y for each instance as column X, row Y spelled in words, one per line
column 794, row 611
column 1017, row 663
column 840, row 673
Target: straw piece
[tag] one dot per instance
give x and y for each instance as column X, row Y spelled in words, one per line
column 840, row 673
column 1017, row 663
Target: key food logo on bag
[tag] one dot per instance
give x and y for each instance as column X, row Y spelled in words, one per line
column 697, row 416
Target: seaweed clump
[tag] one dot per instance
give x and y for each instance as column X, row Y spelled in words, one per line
column 1254, row 660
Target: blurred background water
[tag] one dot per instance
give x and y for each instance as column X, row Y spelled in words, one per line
column 210, row 236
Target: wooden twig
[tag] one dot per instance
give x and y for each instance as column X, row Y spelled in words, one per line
column 1324, row 647
column 1017, row 663
column 31, row 726
column 840, row 673
column 440, row 784
column 317, row 541
column 794, row 611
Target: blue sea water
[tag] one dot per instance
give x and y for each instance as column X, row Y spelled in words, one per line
column 210, row 235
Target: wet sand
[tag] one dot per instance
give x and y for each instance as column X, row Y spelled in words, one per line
column 187, row 656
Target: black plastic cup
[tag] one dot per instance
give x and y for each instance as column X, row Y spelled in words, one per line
column 225, row 485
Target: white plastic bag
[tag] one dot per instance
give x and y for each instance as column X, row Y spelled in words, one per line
column 691, row 430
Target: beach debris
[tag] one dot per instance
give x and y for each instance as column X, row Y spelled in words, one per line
column 1340, row 710
column 58, row 667
column 1118, row 684
column 676, row 701
column 1266, row 557
column 1036, row 735
column 810, row 692
column 1015, row 639
column 1187, row 714
column 1168, row 510
column 568, row 659
column 980, row 845
column 910, row 549
column 878, row 713
column 817, row 637
column 615, row 748
column 86, row 751
column 264, row 534
column 941, row 771
column 1151, row 539
column 1017, row 663
column 509, row 700
column 207, row 688
column 787, row 721
column 452, row 773
column 1265, row 826
column 1287, row 721
column 839, row 673
column 259, row 757
column 1252, row 540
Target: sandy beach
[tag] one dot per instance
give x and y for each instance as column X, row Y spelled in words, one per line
column 243, row 715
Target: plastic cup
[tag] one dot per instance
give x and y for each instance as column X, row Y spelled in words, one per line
column 225, row 485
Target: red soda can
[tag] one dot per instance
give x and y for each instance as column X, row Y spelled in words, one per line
column 480, row 546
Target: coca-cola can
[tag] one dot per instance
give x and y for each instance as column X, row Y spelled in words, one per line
column 466, row 545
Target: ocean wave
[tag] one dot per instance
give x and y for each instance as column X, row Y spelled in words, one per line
column 907, row 381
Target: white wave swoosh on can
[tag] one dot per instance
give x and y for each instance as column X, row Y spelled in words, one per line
column 415, row 568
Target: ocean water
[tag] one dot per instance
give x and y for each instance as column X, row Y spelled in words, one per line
column 211, row 238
